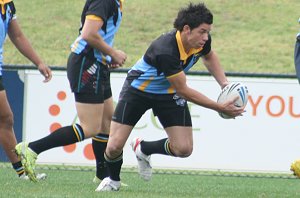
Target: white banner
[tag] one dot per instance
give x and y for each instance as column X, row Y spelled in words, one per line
column 266, row 138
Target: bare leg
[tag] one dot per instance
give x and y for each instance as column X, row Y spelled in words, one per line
column 7, row 137
column 90, row 116
column 181, row 140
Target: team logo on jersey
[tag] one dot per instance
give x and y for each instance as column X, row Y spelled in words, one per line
column 89, row 76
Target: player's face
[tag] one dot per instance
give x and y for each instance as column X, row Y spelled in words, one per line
column 199, row 35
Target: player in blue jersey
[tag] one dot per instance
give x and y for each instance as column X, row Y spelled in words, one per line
column 295, row 168
column 9, row 25
column 92, row 55
column 158, row 82
column 297, row 55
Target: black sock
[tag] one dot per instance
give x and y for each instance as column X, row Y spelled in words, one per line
column 99, row 143
column 156, row 147
column 61, row 137
column 114, row 166
column 18, row 166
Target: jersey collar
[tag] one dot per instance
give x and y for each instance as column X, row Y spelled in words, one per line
column 4, row 1
column 183, row 54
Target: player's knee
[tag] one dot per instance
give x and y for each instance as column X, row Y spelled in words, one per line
column 113, row 150
column 90, row 131
column 183, row 151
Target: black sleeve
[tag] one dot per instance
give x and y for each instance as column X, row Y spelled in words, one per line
column 168, row 64
column 12, row 8
column 101, row 8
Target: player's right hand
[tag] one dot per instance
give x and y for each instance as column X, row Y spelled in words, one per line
column 231, row 109
column 118, row 59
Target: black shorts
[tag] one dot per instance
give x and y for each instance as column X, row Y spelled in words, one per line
column 170, row 109
column 88, row 78
column 1, row 84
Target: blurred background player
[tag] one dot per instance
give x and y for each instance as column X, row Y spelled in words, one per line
column 295, row 167
column 88, row 72
column 158, row 82
column 297, row 54
column 9, row 25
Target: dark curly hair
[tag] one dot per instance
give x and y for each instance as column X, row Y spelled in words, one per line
column 193, row 16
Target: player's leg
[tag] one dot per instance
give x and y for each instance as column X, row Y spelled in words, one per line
column 90, row 116
column 176, row 120
column 119, row 134
column 90, row 123
column 7, row 137
column 89, row 106
column 99, row 141
column 126, row 115
column 180, row 141
column 295, row 167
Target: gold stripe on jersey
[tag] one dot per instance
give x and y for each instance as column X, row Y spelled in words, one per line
column 171, row 89
column 121, row 4
column 2, row 3
column 143, row 86
column 5, row 1
column 183, row 55
column 93, row 17
column 103, row 59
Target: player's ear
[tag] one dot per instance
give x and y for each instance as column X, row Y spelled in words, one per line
column 187, row 29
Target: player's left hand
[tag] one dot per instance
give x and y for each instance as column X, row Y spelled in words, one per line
column 45, row 71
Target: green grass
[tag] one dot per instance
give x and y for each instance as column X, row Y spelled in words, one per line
column 249, row 36
column 74, row 183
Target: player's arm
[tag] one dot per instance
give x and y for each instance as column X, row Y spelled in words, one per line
column 212, row 63
column 178, row 81
column 90, row 34
column 23, row 45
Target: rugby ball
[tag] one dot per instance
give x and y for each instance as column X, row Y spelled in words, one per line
column 231, row 91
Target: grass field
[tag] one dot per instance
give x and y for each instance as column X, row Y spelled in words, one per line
column 249, row 36
column 74, row 183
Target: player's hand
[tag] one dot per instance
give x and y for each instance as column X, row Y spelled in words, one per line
column 118, row 59
column 231, row 109
column 224, row 84
column 113, row 66
column 45, row 71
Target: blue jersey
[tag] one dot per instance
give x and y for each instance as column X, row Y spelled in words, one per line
column 8, row 13
column 163, row 59
column 110, row 13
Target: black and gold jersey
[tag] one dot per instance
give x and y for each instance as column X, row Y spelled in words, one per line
column 163, row 59
column 109, row 11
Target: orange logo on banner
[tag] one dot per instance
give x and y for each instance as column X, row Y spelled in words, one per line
column 54, row 110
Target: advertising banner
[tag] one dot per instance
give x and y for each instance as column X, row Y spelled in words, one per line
column 265, row 138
